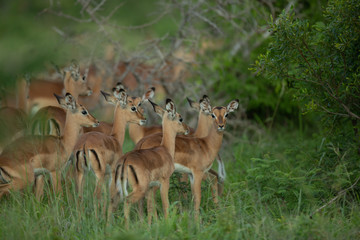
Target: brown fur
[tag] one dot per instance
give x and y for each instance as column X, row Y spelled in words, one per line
column 51, row 110
column 195, row 153
column 107, row 148
column 13, row 125
column 150, row 165
column 22, row 157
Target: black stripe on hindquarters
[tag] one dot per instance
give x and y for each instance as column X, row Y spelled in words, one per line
column 133, row 171
column 77, row 160
column 2, row 177
column 122, row 170
column 85, row 160
column 96, row 157
column 57, row 126
column 117, row 172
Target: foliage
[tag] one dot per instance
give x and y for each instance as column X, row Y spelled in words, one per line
column 320, row 62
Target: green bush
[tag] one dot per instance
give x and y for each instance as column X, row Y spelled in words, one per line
column 319, row 61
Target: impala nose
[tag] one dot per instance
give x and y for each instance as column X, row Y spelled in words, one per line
column 142, row 122
column 96, row 124
column 221, row 127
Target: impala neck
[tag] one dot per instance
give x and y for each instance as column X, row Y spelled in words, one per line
column 136, row 132
column 118, row 130
column 71, row 134
column 169, row 135
column 203, row 128
column 70, row 88
column 214, row 140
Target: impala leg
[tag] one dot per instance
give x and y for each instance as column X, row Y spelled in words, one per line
column 183, row 179
column 114, row 194
column 100, row 176
column 133, row 197
column 141, row 209
column 56, row 181
column 212, row 177
column 197, row 192
column 164, row 192
column 80, row 182
column 39, row 187
column 127, row 206
column 79, row 173
column 151, row 208
column 150, row 205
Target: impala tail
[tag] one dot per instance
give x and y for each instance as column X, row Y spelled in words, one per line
column 124, row 171
column 221, row 169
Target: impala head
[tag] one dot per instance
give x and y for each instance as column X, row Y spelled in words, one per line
column 220, row 114
column 126, row 105
column 77, row 111
column 202, row 106
column 76, row 82
column 170, row 116
column 138, row 101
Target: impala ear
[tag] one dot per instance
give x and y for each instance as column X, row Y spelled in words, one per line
column 67, row 102
column 159, row 110
column 233, row 105
column 170, row 108
column 109, row 98
column 119, row 86
column 61, row 100
column 75, row 69
column 70, row 101
column 121, row 96
column 193, row 104
column 74, row 66
column 149, row 94
column 205, row 104
column 205, row 98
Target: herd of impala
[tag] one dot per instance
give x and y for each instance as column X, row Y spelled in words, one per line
column 63, row 133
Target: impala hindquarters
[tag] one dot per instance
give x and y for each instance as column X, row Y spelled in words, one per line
column 28, row 156
column 145, row 168
column 195, row 155
column 98, row 151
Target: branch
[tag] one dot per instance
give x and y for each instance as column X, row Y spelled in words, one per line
column 209, row 22
column 61, row 14
column 143, row 25
column 336, row 197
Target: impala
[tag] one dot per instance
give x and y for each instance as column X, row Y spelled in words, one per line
column 145, row 168
column 12, row 124
column 97, row 150
column 73, row 82
column 50, row 120
column 195, row 155
column 29, row 156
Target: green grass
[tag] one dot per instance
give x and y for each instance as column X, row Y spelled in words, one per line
column 251, row 207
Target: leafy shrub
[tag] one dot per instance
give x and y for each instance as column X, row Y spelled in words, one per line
column 320, row 61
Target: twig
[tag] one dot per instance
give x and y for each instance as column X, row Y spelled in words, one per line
column 61, row 14
column 342, row 192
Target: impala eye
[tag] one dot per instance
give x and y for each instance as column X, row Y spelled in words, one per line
column 84, row 78
column 139, row 104
column 180, row 120
column 133, row 109
column 84, row 112
column 213, row 116
column 226, row 115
